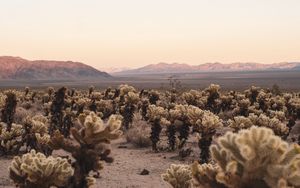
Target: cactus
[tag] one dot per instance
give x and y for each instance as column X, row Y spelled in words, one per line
column 178, row 176
column 241, row 122
column 36, row 134
column 90, row 147
column 206, row 124
column 9, row 109
column 256, row 158
column 36, row 170
column 213, row 95
column 56, row 110
column 205, row 175
column 131, row 100
column 154, row 114
column 179, row 119
column 10, row 141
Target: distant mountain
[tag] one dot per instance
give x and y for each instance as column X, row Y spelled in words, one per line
column 18, row 68
column 114, row 69
column 208, row 67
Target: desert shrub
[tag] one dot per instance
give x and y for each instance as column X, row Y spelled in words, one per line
column 139, row 132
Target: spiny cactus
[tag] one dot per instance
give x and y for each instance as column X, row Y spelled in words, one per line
column 241, row 122
column 205, row 175
column 153, row 97
column 178, row 176
column 36, row 134
column 192, row 97
column 36, row 170
column 206, row 124
column 155, row 113
column 10, row 140
column 252, row 93
column 213, row 95
column 124, row 89
column 56, row 110
column 90, row 147
column 256, row 158
column 179, row 119
column 131, row 99
column 9, row 109
column 91, row 90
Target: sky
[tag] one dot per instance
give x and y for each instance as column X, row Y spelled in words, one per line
column 134, row 33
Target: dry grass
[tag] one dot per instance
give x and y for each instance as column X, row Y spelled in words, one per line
column 139, row 132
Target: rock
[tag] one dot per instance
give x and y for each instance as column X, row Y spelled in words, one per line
column 145, row 172
column 122, row 147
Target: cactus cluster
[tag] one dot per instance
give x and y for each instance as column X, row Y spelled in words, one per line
column 82, row 123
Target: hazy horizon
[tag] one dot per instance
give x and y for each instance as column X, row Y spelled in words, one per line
column 136, row 33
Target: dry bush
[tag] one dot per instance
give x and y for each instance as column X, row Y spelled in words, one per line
column 21, row 114
column 139, row 133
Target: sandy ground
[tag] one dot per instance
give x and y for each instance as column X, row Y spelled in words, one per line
column 130, row 162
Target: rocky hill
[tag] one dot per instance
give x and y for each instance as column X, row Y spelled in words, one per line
column 19, row 68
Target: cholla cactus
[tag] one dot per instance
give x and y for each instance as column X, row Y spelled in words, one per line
column 26, row 90
column 131, row 99
column 213, row 95
column 106, row 107
column 56, row 110
column 209, row 124
column 36, row 134
column 275, row 124
column 90, row 148
column 178, row 176
column 263, row 100
column 294, row 107
column 226, row 102
column 124, row 89
column 9, row 109
column 205, row 175
column 192, row 97
column 240, row 122
column 243, row 107
column 206, row 124
column 50, row 91
column 252, row 93
column 155, row 113
column 179, row 121
column 153, row 97
column 10, row 140
column 36, row 170
column 256, row 158
column 91, row 90
column 280, row 115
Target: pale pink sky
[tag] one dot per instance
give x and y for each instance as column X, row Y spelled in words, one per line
column 133, row 33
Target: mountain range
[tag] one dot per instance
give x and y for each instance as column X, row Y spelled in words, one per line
column 18, row 68
column 209, row 67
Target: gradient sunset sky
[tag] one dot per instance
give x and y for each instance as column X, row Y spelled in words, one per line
column 133, row 33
